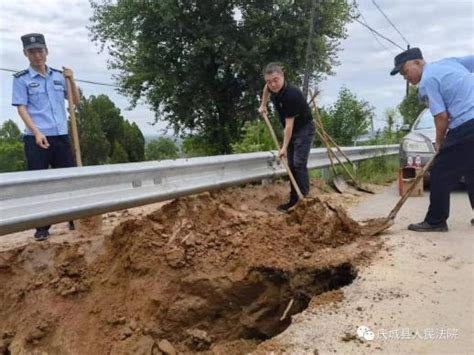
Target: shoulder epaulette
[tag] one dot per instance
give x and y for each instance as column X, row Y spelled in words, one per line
column 59, row 71
column 20, row 73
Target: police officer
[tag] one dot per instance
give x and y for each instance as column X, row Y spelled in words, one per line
column 39, row 93
column 447, row 86
column 298, row 134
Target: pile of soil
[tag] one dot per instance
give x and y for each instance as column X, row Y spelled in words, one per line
column 214, row 272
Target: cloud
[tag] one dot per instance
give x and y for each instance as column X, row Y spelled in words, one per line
column 441, row 28
column 64, row 25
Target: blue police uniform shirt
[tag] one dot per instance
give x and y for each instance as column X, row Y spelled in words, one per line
column 448, row 85
column 44, row 99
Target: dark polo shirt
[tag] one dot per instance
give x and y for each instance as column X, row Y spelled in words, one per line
column 290, row 102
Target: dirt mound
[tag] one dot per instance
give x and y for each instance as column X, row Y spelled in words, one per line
column 218, row 271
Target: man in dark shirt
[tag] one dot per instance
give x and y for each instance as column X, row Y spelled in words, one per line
column 295, row 117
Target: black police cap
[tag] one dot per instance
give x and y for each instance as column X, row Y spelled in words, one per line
column 402, row 58
column 33, row 40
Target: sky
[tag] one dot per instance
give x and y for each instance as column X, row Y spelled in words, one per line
column 440, row 28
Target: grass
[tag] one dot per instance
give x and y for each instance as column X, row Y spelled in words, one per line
column 380, row 170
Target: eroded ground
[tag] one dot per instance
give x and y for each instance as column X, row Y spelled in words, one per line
column 217, row 272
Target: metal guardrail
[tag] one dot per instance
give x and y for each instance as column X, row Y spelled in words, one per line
column 33, row 198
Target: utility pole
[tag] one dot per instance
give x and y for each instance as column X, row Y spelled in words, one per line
column 309, row 48
column 408, row 84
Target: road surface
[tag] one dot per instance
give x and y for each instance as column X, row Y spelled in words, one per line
column 415, row 298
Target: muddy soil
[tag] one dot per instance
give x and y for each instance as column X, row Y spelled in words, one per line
column 216, row 272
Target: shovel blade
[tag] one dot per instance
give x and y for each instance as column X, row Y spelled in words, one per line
column 375, row 226
column 339, row 184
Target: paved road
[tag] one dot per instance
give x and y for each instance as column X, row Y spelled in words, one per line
column 416, row 297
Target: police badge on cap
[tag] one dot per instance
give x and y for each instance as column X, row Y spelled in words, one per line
column 33, row 40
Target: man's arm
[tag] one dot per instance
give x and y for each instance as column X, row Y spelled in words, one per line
column 265, row 96
column 441, row 123
column 76, row 97
column 287, row 133
column 39, row 137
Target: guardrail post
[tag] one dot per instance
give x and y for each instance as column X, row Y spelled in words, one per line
column 325, row 173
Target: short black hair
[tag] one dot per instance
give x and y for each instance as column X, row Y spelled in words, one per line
column 273, row 67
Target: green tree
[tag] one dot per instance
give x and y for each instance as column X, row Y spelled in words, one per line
column 327, row 122
column 199, row 66
column 390, row 119
column 12, row 157
column 133, row 142
column 95, row 147
column 111, row 119
column 255, row 138
column 411, row 106
column 9, row 132
column 101, row 126
column 348, row 118
column 197, row 146
column 161, row 148
column 119, row 154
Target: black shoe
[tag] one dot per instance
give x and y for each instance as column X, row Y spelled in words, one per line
column 286, row 206
column 426, row 227
column 71, row 225
column 472, row 221
column 41, row 235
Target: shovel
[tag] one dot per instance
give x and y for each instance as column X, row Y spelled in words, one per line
column 93, row 223
column 375, row 226
column 328, row 137
column 320, row 126
column 283, row 161
column 405, row 196
column 337, row 180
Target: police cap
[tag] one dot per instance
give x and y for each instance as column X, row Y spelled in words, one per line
column 33, row 40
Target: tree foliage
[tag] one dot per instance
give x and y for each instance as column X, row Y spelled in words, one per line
column 161, row 148
column 198, row 145
column 133, row 142
column 255, row 138
column 411, row 106
column 102, row 129
column 198, row 63
column 95, row 147
column 119, row 154
column 9, row 132
column 12, row 156
column 391, row 132
column 348, row 118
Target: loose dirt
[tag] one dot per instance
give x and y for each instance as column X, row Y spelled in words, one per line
column 216, row 272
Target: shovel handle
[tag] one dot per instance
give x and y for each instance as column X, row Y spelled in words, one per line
column 285, row 164
column 405, row 196
column 324, row 137
column 72, row 115
column 319, row 124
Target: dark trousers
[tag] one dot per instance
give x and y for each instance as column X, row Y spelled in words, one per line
column 298, row 153
column 58, row 155
column 455, row 159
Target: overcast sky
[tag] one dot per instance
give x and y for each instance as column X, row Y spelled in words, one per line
column 440, row 28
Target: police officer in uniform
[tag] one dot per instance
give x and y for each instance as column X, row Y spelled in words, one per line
column 447, row 86
column 39, row 93
column 297, row 120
